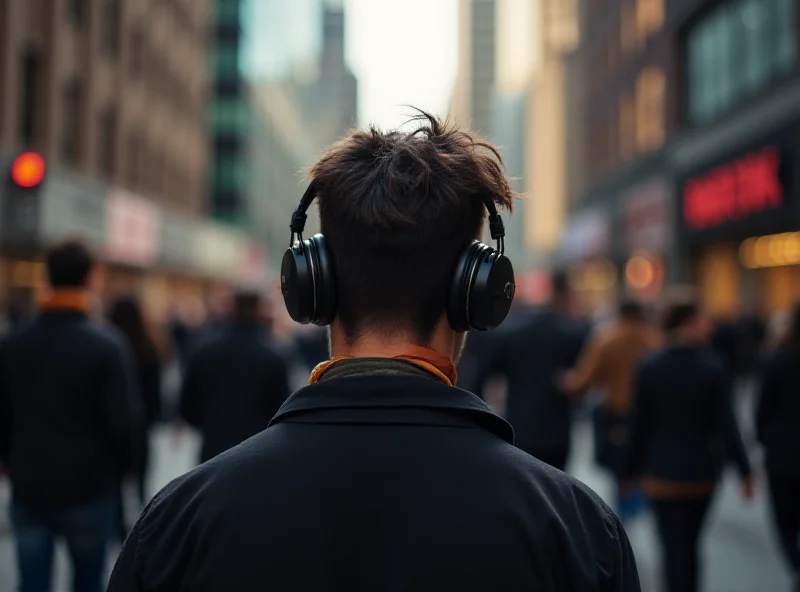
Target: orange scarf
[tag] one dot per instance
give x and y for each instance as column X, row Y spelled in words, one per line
column 66, row 299
column 422, row 357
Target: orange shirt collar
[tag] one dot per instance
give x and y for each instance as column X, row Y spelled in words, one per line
column 440, row 366
column 66, row 299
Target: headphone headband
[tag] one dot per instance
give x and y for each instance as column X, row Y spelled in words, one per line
column 299, row 216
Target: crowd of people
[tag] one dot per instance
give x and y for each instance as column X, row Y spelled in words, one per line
column 663, row 410
column 378, row 475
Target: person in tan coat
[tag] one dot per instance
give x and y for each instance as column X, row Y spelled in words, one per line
column 607, row 364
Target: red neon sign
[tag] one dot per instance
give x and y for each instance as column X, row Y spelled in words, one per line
column 735, row 190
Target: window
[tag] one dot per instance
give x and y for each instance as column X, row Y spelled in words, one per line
column 227, row 12
column 629, row 40
column 736, row 51
column 29, row 100
column 229, row 115
column 627, row 126
column 650, row 93
column 230, row 173
column 75, row 10
column 71, row 122
column 136, row 56
column 225, row 58
column 107, row 142
column 133, row 170
column 111, row 27
column 649, row 17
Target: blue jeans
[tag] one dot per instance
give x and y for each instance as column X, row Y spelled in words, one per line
column 86, row 529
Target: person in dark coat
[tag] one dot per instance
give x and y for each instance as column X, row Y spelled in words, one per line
column 382, row 475
column 682, row 430
column 778, row 429
column 126, row 315
column 69, row 419
column 532, row 357
column 235, row 381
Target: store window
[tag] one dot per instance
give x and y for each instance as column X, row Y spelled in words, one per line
column 736, row 51
column 134, row 160
column 227, row 11
column 651, row 88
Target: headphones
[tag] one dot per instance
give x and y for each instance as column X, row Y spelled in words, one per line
column 480, row 294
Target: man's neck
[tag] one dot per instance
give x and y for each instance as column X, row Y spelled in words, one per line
column 381, row 346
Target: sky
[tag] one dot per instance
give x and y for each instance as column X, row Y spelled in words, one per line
column 404, row 52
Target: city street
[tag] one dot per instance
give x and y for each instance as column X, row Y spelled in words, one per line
column 740, row 551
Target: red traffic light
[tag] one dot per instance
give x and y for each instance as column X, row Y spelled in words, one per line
column 28, row 169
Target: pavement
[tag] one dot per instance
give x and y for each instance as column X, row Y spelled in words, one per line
column 739, row 550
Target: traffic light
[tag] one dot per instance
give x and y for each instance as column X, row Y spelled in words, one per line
column 21, row 201
column 27, row 170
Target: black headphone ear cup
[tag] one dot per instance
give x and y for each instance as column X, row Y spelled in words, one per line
column 463, row 275
column 324, row 281
column 492, row 292
column 297, row 285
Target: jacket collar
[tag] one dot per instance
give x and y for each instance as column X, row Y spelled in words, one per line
column 359, row 398
column 66, row 300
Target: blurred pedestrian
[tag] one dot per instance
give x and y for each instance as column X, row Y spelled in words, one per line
column 778, row 428
column 235, row 380
column 682, row 429
column 607, row 364
column 380, row 475
column 69, row 412
column 532, row 357
column 126, row 315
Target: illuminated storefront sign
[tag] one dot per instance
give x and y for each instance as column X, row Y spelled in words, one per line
column 771, row 251
column 735, row 190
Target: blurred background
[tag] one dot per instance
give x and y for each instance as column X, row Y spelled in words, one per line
column 654, row 142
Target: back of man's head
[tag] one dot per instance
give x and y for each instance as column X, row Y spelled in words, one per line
column 247, row 305
column 69, row 265
column 396, row 209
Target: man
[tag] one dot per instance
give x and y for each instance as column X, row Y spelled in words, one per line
column 531, row 357
column 380, row 475
column 235, row 381
column 69, row 426
column 607, row 364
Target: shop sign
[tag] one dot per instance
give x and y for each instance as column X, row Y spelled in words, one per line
column 132, row 225
column 587, row 235
column 735, row 190
column 72, row 209
column 647, row 226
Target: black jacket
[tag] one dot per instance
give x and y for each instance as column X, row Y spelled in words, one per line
column 234, row 384
column 70, row 412
column 778, row 413
column 377, row 483
column 531, row 356
column 683, row 428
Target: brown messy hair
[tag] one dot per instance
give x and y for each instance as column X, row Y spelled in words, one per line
column 396, row 208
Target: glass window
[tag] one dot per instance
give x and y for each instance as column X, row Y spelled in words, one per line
column 228, row 11
column 784, row 19
column 107, row 135
column 230, row 173
column 737, row 50
column 650, row 91
column 225, row 59
column 70, row 122
column 111, row 25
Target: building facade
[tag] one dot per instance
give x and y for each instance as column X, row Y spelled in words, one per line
column 689, row 120
column 113, row 94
